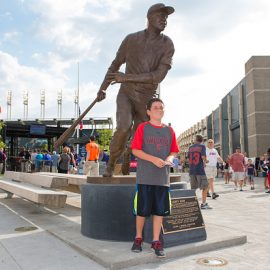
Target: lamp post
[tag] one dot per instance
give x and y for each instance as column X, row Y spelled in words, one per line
column 59, row 104
column 25, row 104
column 42, row 104
column 9, row 100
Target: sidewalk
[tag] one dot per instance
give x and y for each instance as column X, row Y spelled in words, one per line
column 245, row 213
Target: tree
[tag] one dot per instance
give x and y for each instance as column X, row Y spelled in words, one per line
column 104, row 138
column 2, row 144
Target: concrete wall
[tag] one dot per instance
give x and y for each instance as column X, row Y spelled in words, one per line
column 258, row 104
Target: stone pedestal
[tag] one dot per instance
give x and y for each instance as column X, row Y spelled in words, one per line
column 107, row 212
column 107, row 207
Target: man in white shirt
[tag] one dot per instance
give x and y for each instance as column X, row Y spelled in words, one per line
column 212, row 157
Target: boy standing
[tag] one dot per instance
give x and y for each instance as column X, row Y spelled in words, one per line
column 155, row 146
column 197, row 161
column 250, row 173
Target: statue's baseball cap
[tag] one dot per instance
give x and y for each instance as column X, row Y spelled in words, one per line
column 160, row 7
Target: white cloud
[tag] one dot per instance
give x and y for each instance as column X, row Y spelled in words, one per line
column 71, row 25
column 213, row 40
column 18, row 78
column 10, row 36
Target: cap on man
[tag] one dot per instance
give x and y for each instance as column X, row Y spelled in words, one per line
column 160, row 7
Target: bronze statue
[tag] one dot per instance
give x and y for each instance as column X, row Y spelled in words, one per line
column 148, row 57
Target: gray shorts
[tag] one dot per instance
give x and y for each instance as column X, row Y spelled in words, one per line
column 198, row 181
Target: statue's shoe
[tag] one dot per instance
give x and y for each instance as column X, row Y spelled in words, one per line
column 108, row 172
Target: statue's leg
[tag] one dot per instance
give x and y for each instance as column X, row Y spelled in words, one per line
column 122, row 133
column 126, row 160
column 139, row 106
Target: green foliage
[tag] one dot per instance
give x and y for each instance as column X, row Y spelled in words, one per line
column 104, row 139
column 2, row 145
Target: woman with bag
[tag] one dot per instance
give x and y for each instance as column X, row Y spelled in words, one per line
column 64, row 161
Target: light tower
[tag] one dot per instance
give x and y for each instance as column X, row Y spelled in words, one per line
column 9, row 99
column 25, row 104
column 59, row 104
column 42, row 104
column 76, row 102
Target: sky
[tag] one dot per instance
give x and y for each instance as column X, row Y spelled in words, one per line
column 42, row 42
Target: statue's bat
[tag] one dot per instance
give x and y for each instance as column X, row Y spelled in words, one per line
column 71, row 129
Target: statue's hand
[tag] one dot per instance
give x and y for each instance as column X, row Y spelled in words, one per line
column 101, row 94
column 118, row 77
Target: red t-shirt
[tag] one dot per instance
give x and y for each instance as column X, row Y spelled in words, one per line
column 237, row 161
column 137, row 142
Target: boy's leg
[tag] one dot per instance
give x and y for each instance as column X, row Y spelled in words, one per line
column 241, row 184
column 139, row 226
column 204, row 195
column 157, row 222
column 137, row 244
column 252, row 183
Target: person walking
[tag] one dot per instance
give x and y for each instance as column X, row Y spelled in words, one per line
column 267, row 166
column 197, row 161
column 55, row 158
column 237, row 162
column 213, row 158
column 251, row 171
column 72, row 168
column 155, row 146
column 47, row 161
column 3, row 159
column 91, row 165
column 227, row 173
column 263, row 170
column 246, row 164
column 64, row 161
column 38, row 161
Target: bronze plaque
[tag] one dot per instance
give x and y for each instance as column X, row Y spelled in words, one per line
column 185, row 215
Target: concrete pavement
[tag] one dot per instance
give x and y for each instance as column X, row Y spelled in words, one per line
column 58, row 244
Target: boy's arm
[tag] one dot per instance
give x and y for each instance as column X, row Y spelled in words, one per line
column 170, row 157
column 155, row 160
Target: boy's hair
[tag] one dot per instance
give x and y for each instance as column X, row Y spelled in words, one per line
column 199, row 138
column 151, row 101
column 92, row 138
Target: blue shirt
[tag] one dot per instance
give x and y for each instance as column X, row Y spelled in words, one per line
column 250, row 169
column 195, row 154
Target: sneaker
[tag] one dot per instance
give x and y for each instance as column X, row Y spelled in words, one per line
column 137, row 245
column 268, row 191
column 208, row 195
column 205, row 206
column 215, row 195
column 158, row 249
column 240, row 189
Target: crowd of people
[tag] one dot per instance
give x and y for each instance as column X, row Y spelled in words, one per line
column 42, row 160
column 67, row 161
column 251, row 169
column 203, row 164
